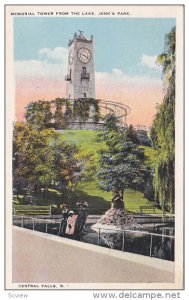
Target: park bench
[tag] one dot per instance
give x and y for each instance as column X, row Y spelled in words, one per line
column 32, row 210
column 145, row 208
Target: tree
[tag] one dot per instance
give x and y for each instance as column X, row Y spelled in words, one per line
column 132, row 134
column 67, row 165
column 121, row 163
column 111, row 123
column 41, row 160
column 39, row 114
column 163, row 130
column 32, row 160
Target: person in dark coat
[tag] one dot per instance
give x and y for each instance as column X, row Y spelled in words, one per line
column 63, row 224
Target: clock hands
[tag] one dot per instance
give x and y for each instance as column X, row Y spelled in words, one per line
column 85, row 55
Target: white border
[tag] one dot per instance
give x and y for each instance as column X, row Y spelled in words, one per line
column 88, row 295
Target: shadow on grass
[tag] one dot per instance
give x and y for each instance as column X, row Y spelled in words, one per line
column 97, row 204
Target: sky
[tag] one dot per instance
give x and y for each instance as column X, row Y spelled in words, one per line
column 125, row 60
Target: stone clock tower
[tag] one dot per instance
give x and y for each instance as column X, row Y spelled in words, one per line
column 80, row 78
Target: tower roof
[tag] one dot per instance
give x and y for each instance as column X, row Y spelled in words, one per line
column 80, row 37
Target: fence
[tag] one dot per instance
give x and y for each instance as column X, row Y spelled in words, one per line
column 149, row 208
column 134, row 232
column 33, row 222
column 34, row 225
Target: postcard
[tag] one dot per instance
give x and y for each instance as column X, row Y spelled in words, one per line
column 94, row 147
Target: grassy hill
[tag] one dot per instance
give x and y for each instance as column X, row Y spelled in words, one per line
column 86, row 139
column 89, row 190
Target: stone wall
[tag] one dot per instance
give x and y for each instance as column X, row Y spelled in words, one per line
column 86, row 126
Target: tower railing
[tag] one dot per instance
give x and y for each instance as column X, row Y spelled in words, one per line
column 142, row 128
column 68, row 77
column 85, row 76
column 106, row 107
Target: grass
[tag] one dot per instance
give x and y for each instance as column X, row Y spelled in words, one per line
column 132, row 199
column 99, row 201
column 86, row 139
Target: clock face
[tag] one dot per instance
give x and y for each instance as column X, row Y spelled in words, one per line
column 70, row 58
column 84, row 55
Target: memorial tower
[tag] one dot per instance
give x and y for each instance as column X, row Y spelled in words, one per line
column 80, row 78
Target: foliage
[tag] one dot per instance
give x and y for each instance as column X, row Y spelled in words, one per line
column 89, row 165
column 149, row 191
column 111, row 123
column 39, row 114
column 94, row 103
column 58, row 115
column 68, row 115
column 151, row 154
column 87, row 189
column 122, row 162
column 132, row 134
column 42, row 160
column 86, row 140
column 81, row 109
column 61, row 118
column 99, row 200
column 163, row 130
column 90, row 144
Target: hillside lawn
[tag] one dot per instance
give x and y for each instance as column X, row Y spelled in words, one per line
column 132, row 199
column 87, row 139
column 99, row 201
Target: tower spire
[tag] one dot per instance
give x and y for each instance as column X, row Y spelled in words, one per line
column 81, row 35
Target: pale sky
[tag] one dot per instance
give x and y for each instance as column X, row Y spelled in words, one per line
column 125, row 55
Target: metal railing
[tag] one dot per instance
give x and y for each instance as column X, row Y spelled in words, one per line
column 123, row 231
column 99, row 231
column 85, row 76
column 35, row 220
column 68, row 77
